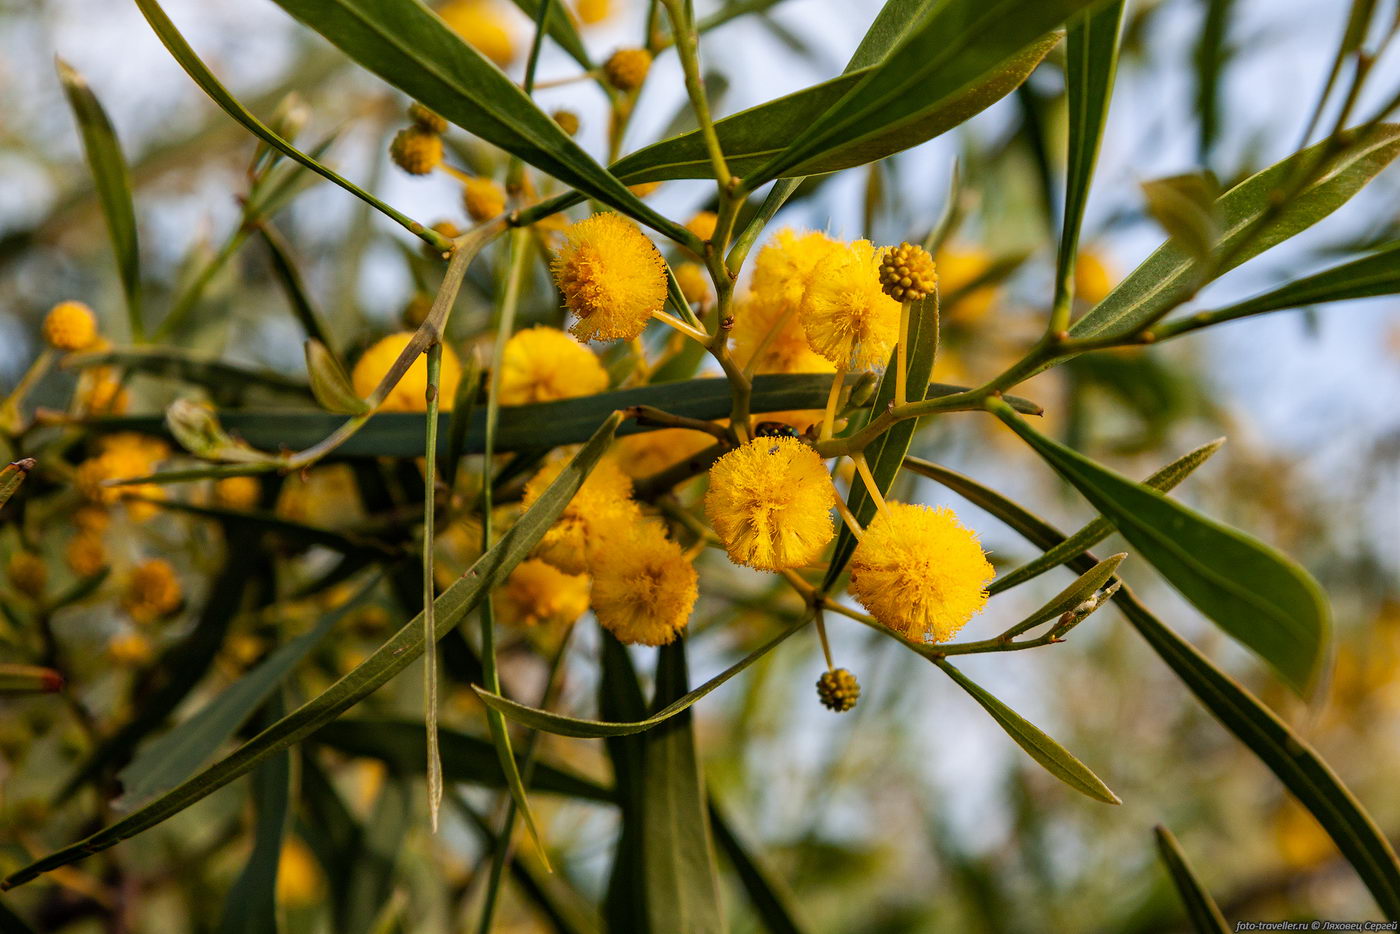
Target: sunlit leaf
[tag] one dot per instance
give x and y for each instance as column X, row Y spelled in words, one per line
column 1201, row 909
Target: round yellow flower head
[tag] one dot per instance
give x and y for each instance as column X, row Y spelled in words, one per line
column 920, row 572
column 592, row 12
column 767, row 326
column 612, row 277
column 482, row 25
column 907, row 273
column 770, row 502
column 483, row 198
column 703, row 224
column 643, row 586
column 28, row 573
column 299, row 880
column 958, row 268
column 121, row 456
column 541, row 364
column 130, row 650
column 85, row 554
column 567, row 120
column 410, row 395
column 415, row 150
column 847, row 316
column 537, row 592
column 101, row 393
column 784, row 267
column 838, row 690
column 152, row 591
column 626, row 69
column 694, row 282
column 1093, row 280
column 70, row 326
column 238, row 492
column 604, row 498
column 425, row 119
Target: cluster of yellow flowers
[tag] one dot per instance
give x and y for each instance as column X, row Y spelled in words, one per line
column 123, row 456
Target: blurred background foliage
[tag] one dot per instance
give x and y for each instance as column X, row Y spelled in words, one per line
column 914, row 812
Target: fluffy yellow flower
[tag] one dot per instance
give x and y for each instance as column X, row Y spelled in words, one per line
column 121, row 456
column 130, row 649
column 957, row 269
column 767, row 321
column 567, row 120
column 612, row 277
column 626, row 69
column 703, row 224
column 541, row 364
column 694, row 282
column 770, row 502
column 482, row 24
column 1093, row 279
column 70, row 326
column 483, row 198
column 650, row 452
column 537, row 592
column 784, row 267
column 27, row 573
column 415, row 150
column 604, row 498
column 643, row 586
column 847, row 316
column 920, row 572
column 299, row 880
column 592, row 12
column 152, row 591
column 238, row 492
column 101, row 393
column 85, row 554
column 410, row 393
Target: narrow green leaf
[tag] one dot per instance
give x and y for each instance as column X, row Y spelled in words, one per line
column 561, row 725
column 682, row 880
column 1051, row 756
column 560, row 27
column 1255, row 593
column 12, row 475
column 289, row 276
column 771, row 901
column 1171, row 275
column 1211, row 54
column 330, row 384
column 1069, row 599
column 192, row 367
column 112, row 179
column 1201, row 910
column 175, row 756
column 251, row 905
column 400, row 651
column 1185, row 206
column 1100, row 528
column 620, row 698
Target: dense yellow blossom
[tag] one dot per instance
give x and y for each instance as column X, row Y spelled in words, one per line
column 85, row 554
column 541, row 364
column 410, row 395
column 767, row 322
column 626, row 69
column 567, row 120
column 694, row 282
column 299, row 880
column 920, row 572
column 482, row 24
column 784, row 267
column 415, row 150
column 100, row 392
column 847, row 316
column 238, row 492
column 426, row 119
column 1093, row 279
column 703, row 224
column 152, row 590
column 650, row 452
column 643, row 585
column 123, row 456
column 770, row 502
column 130, row 649
column 604, row 498
column 537, row 592
column 612, row 277
column 483, row 198
column 27, row 573
column 70, row 326
column 592, row 12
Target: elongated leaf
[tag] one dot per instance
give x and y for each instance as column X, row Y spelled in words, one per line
column 1258, row 595
column 1185, row 206
column 28, row 679
column 1100, row 528
column 1201, row 910
column 175, row 756
column 402, row 745
column 682, row 881
column 1053, row 757
column 329, row 382
column 1302, row 771
column 415, row 51
column 561, row 29
column 251, row 906
column 1170, row 275
column 112, row 179
column 289, row 276
column 12, row 475
column 191, row 367
column 771, row 901
column 620, row 698
column 1084, row 587
column 561, row 725
column 400, row 651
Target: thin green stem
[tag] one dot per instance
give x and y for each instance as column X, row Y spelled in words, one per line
column 688, row 48
column 430, row 674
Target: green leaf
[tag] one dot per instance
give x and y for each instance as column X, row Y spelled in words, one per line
column 1201, row 910
column 1053, row 757
column 886, row 454
column 171, row 759
column 771, row 901
column 1255, row 593
column 329, row 382
column 400, row 651
column 402, row 744
column 112, row 179
column 12, row 475
column 1100, row 528
column 560, row 28
column 285, row 268
column 620, row 698
column 251, row 905
column 1091, row 63
column 682, row 880
column 1069, row 599
column 1171, row 275
column 1185, row 206
column 190, row 367
column 412, row 49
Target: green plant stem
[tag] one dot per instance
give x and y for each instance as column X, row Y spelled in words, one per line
column 688, row 48
column 430, row 673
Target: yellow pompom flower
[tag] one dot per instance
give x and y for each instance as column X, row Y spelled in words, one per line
column 483, row 198
column 592, row 12
column 643, row 586
column 626, row 69
column 920, row 572
column 784, row 267
column 130, row 649
column 650, row 452
column 541, row 364
column 415, row 150
column 567, row 120
column 299, row 880
column 604, row 498
column 770, row 502
column 152, row 591
column 27, row 573
column 845, row 312
column 703, row 224
column 238, row 492
column 612, row 277
column 537, row 593
column 958, row 268
column 483, row 26
column 694, row 282
column 1093, row 279
column 410, row 395
column 85, row 554
column 121, row 456
column 70, row 326
column 767, row 322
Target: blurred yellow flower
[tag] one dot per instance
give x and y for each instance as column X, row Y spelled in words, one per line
column 85, row 554
column 1093, row 279
column 612, row 277
column 240, row 493
column 643, row 585
column 847, row 316
column 152, row 591
column 27, row 573
column 415, row 150
column 483, row 198
column 130, row 649
column 958, row 268
column 537, row 593
column 70, row 326
column 592, row 12
column 482, row 24
column 626, row 69
column 703, row 224
column 694, row 282
column 605, row 497
column 541, row 364
column 770, row 502
column 299, row 880
column 410, row 393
